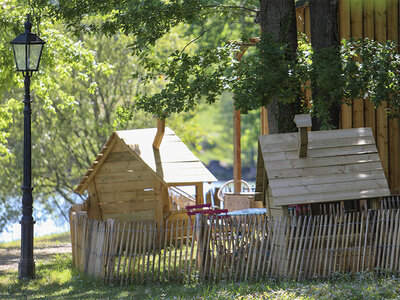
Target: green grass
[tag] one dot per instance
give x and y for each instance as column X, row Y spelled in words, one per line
column 57, row 279
column 42, row 242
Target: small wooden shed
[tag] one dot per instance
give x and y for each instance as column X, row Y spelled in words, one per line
column 317, row 167
column 131, row 179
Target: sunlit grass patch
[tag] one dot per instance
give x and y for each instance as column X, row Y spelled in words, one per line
column 43, row 241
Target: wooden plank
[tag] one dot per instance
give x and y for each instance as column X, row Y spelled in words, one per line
column 397, row 232
column 126, row 186
column 265, row 235
column 138, row 175
column 126, row 252
column 284, row 138
column 380, row 240
column 345, row 33
column 127, row 207
column 394, row 156
column 328, row 188
column 273, row 255
column 121, row 156
column 120, row 166
column 369, row 31
column 317, row 171
column 394, row 242
column 126, row 197
column 317, row 148
column 320, row 153
column 132, row 236
column 324, row 179
column 139, row 216
column 394, row 130
column 158, row 201
column 356, row 17
column 307, row 24
column 250, row 245
column 381, row 119
column 120, row 251
column 300, row 20
column 322, row 161
column 339, row 195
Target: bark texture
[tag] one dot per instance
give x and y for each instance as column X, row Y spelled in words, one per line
column 278, row 19
column 325, row 34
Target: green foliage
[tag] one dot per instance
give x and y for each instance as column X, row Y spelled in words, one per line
column 267, row 73
column 189, row 78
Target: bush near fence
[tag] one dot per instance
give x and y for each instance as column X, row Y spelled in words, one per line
column 237, row 248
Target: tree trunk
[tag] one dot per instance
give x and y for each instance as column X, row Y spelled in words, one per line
column 325, row 34
column 278, row 19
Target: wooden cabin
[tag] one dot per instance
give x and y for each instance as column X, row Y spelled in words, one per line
column 311, row 167
column 138, row 174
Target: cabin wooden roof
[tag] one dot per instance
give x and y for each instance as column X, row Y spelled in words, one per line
column 340, row 165
column 173, row 162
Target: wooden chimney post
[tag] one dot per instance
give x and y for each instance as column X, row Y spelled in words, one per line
column 159, row 134
column 303, row 122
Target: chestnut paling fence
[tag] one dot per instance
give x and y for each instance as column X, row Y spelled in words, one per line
column 237, row 248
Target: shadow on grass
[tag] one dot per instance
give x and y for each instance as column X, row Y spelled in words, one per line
column 58, row 279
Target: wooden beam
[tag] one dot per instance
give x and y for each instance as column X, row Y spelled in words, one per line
column 237, row 163
column 199, row 193
column 159, row 201
column 382, row 136
column 159, row 134
column 264, row 120
column 345, row 33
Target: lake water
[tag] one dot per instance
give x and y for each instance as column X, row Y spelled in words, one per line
column 13, row 232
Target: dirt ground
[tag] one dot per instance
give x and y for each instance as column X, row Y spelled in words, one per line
column 10, row 257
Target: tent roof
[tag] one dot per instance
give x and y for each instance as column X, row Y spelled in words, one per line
column 173, row 162
column 340, row 165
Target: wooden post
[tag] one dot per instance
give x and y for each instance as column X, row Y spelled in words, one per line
column 302, row 122
column 199, row 193
column 264, row 120
column 200, row 242
column 159, row 201
column 237, row 163
column 159, row 134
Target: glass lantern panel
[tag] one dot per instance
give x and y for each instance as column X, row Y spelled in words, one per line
column 34, row 56
column 19, row 53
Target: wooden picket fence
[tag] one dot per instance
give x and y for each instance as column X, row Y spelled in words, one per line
column 237, row 248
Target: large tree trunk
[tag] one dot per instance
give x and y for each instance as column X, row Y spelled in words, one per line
column 278, row 19
column 325, row 34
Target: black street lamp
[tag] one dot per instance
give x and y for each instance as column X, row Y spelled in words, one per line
column 27, row 52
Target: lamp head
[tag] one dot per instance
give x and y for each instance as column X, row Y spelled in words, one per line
column 27, row 49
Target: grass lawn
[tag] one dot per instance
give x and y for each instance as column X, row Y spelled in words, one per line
column 57, row 279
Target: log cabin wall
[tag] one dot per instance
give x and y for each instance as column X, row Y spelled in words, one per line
column 378, row 20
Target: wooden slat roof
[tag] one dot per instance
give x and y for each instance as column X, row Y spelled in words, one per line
column 340, row 165
column 173, row 162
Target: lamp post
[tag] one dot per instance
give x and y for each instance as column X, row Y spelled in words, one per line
column 27, row 49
